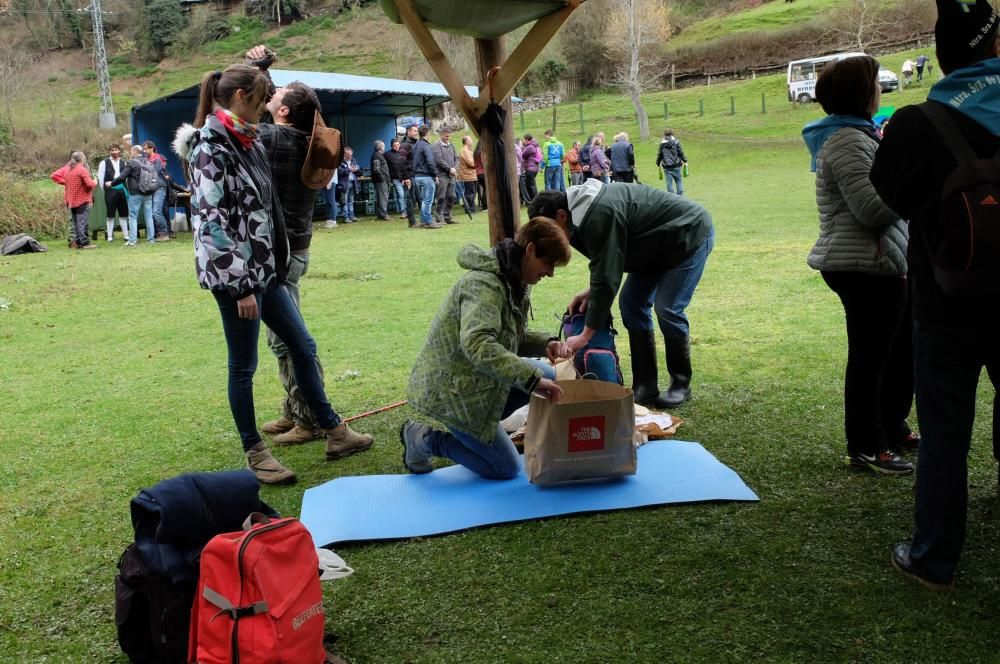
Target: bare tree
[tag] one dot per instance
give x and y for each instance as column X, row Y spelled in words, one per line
column 13, row 65
column 860, row 24
column 634, row 38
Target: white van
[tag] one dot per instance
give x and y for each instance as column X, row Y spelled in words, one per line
column 802, row 75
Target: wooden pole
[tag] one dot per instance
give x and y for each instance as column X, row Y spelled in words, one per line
column 553, row 119
column 491, row 53
column 583, row 129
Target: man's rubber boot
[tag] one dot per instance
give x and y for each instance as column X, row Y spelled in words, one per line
column 679, row 368
column 645, row 391
column 343, row 440
column 267, row 469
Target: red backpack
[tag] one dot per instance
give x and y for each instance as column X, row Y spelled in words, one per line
column 258, row 599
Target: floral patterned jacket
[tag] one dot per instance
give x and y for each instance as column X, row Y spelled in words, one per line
column 240, row 245
column 471, row 358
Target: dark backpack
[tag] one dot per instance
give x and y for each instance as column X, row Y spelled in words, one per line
column 149, row 181
column 598, row 359
column 153, row 615
column 964, row 246
column 585, row 154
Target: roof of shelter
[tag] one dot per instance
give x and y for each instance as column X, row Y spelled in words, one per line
column 344, row 93
column 484, row 19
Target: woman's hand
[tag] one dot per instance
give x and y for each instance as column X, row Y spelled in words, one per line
column 579, row 302
column 556, row 349
column 549, row 389
column 246, row 307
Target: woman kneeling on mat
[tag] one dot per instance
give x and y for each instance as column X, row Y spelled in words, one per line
column 471, row 373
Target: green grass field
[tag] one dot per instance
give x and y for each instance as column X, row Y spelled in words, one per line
column 114, row 372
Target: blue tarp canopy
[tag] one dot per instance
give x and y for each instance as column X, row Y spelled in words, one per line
column 363, row 108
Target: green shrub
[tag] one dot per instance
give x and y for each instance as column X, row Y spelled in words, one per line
column 205, row 25
column 164, row 21
column 89, row 75
column 28, row 208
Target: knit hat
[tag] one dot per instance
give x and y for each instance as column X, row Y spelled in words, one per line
column 963, row 26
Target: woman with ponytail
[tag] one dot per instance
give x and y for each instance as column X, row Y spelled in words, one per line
column 242, row 257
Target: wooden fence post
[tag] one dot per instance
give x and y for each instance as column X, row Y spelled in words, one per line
column 666, row 111
column 553, row 119
column 673, row 76
column 732, row 105
column 522, row 122
column 763, row 103
column 583, row 130
column 701, row 108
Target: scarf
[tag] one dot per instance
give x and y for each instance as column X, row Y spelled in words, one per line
column 238, row 128
column 815, row 134
column 973, row 91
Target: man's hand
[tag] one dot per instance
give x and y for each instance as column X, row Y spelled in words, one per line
column 107, row 185
column 452, row 171
column 549, row 389
column 261, row 57
column 406, row 183
column 579, row 302
column 556, row 349
column 246, row 307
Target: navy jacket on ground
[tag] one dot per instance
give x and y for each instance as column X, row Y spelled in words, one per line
column 174, row 519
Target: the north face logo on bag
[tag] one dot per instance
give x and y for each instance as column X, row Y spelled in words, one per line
column 586, row 434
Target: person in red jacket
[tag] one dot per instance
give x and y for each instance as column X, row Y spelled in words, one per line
column 75, row 178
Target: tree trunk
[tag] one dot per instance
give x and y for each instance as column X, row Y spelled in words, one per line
column 640, row 115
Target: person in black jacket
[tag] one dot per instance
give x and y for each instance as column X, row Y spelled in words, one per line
column 398, row 176
column 954, row 337
column 672, row 159
column 381, row 179
column 136, row 200
column 406, row 146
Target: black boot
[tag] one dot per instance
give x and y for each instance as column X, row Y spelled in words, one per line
column 679, row 368
column 645, row 391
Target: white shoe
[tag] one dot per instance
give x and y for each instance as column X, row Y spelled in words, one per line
column 330, row 223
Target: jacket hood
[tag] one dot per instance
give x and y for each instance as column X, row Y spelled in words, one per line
column 471, row 257
column 184, row 141
column 816, row 133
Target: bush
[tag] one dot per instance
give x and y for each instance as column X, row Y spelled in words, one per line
column 205, row 25
column 26, row 207
column 164, row 21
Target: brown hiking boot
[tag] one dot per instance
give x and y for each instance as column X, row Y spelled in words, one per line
column 280, row 425
column 268, row 469
column 343, row 441
column 296, row 436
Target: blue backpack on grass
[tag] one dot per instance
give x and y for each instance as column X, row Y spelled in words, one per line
column 598, row 360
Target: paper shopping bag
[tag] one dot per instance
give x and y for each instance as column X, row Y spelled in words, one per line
column 586, row 436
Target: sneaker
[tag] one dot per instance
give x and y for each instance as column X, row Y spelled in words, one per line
column 296, row 436
column 87, row 246
column 431, row 225
column 901, row 561
column 352, row 220
column 908, row 443
column 451, row 221
column 416, row 456
column 280, row 425
column 883, row 463
column 266, row 468
column 343, row 440
column 73, row 245
column 330, row 223
column 130, row 244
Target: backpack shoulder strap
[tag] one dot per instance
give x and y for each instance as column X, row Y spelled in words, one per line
column 939, row 117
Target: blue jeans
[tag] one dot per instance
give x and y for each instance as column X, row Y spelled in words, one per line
column 425, row 185
column 136, row 201
column 554, row 178
column 330, row 198
column 347, row 202
column 668, row 293
column 495, row 460
column 948, row 360
column 397, row 186
column 158, row 219
column 674, row 178
column 279, row 313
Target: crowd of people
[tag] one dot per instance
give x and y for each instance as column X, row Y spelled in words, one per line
column 141, row 183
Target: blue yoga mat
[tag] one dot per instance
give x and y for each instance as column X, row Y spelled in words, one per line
column 387, row 507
